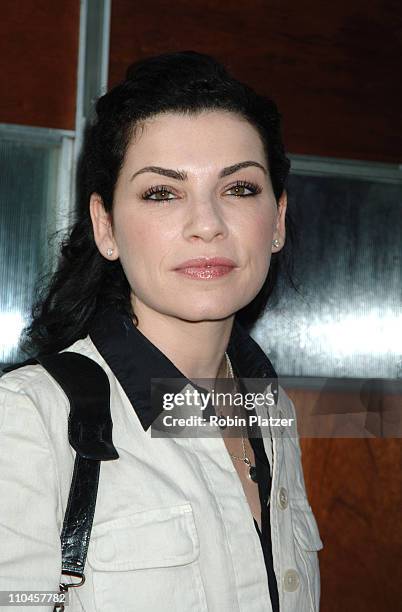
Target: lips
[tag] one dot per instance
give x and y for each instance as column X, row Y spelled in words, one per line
column 205, row 268
column 207, row 262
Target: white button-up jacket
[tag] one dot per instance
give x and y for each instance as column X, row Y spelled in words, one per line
column 172, row 531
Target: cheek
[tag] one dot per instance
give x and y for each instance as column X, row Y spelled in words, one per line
column 259, row 242
column 264, row 233
column 142, row 242
column 130, row 238
column 258, row 232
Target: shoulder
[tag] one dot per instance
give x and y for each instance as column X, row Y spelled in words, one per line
column 22, row 392
column 285, row 404
column 30, row 389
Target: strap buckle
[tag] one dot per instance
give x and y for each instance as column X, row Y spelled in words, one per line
column 64, row 586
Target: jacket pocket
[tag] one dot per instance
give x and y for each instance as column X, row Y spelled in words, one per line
column 307, row 544
column 148, row 560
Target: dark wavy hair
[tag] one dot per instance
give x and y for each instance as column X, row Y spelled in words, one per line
column 183, row 82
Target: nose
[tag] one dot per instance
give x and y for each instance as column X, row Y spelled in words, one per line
column 204, row 220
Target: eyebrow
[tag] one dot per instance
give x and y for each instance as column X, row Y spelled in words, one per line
column 180, row 175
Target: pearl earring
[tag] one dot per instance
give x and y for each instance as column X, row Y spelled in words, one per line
column 276, row 242
column 109, row 252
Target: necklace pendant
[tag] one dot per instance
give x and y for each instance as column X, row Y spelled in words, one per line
column 252, row 473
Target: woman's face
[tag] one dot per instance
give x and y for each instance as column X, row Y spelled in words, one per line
column 192, row 188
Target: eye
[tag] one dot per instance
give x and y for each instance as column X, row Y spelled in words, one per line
column 159, row 193
column 243, row 189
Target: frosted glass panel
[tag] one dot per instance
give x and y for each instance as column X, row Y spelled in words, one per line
column 346, row 320
column 27, row 199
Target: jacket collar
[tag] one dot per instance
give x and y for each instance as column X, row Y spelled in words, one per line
column 135, row 360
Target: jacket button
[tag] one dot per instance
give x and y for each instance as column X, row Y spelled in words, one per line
column 291, row 580
column 283, row 498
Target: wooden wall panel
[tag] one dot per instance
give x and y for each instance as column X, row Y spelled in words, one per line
column 38, row 62
column 355, row 490
column 333, row 67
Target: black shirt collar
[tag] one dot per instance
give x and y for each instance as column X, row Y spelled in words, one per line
column 135, row 360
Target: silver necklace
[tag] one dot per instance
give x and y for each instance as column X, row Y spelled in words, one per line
column 252, row 470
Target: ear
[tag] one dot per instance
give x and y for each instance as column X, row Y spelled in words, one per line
column 280, row 227
column 102, row 226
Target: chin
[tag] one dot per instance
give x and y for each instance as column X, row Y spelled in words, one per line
column 207, row 312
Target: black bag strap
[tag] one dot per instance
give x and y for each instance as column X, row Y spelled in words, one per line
column 86, row 385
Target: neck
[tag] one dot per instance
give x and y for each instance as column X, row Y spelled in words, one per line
column 197, row 348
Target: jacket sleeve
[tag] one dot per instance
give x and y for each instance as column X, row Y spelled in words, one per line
column 30, row 551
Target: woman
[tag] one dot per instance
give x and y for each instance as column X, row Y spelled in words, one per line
column 182, row 204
